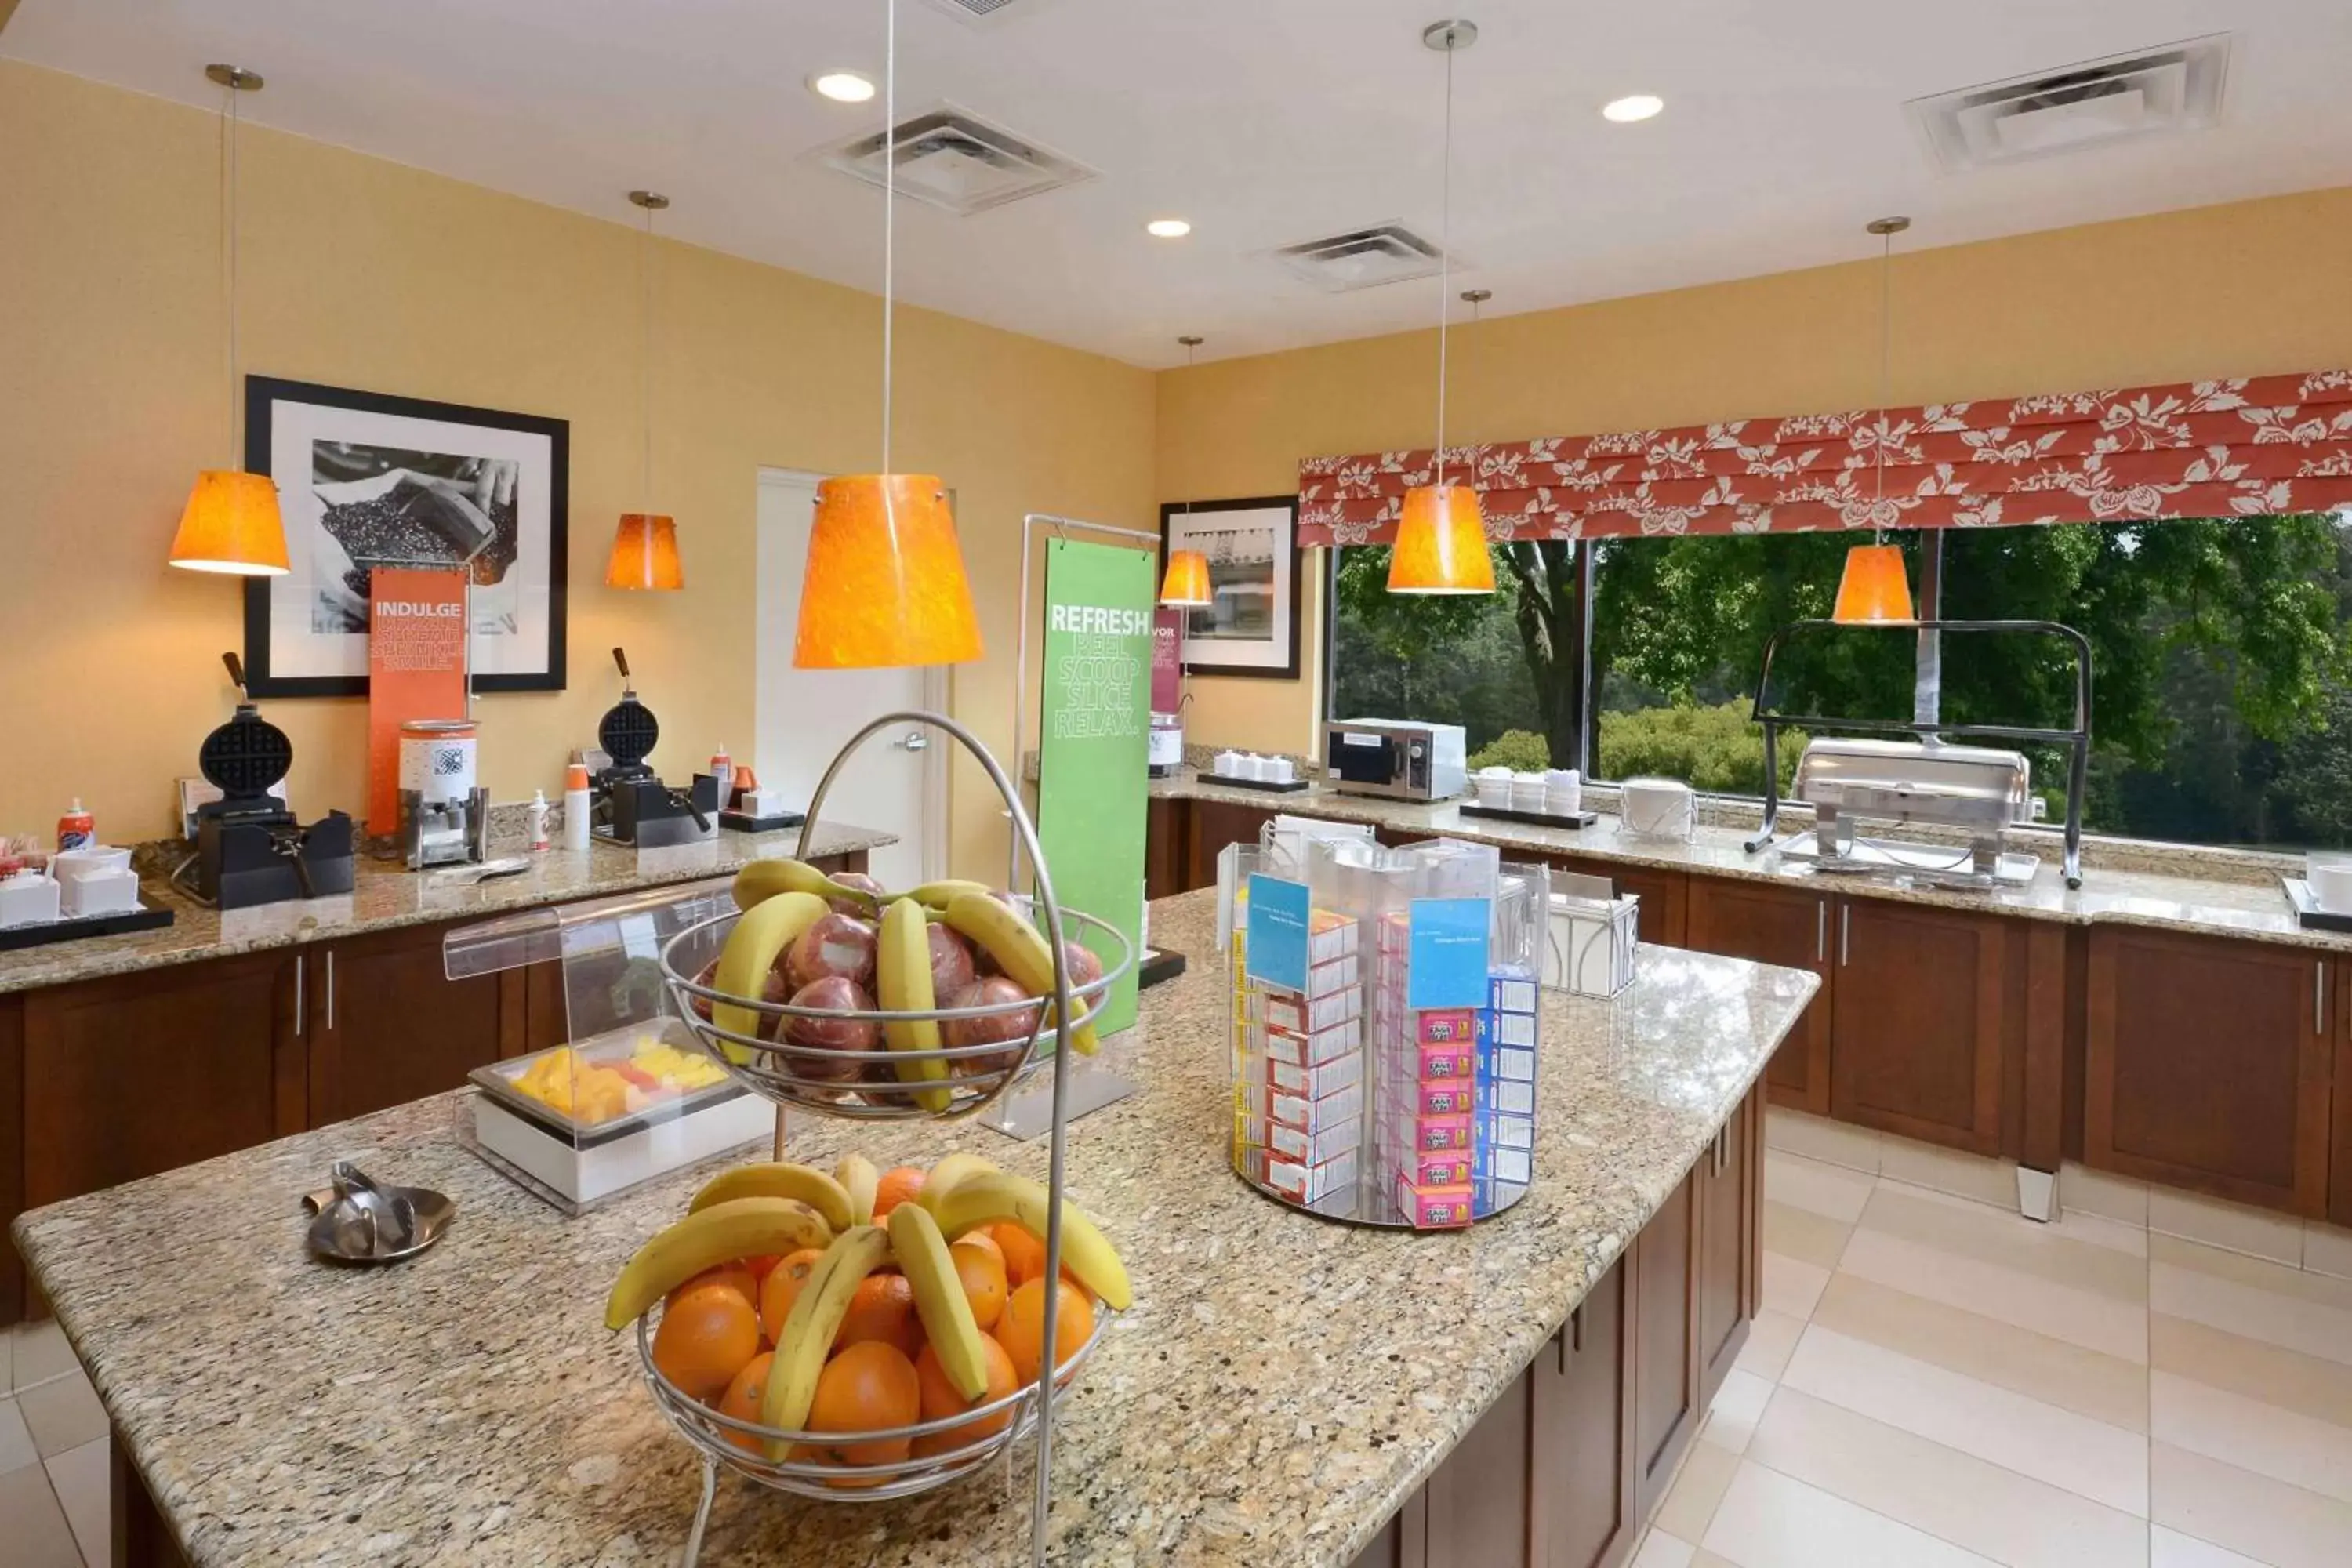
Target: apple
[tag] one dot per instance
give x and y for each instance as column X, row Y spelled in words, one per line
column 863, row 884
column 1012, row 1027
column 775, row 988
column 1081, row 961
column 952, row 967
column 837, row 947
column 822, row 1039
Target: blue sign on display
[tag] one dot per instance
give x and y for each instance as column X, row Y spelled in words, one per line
column 1448, row 953
column 1276, row 949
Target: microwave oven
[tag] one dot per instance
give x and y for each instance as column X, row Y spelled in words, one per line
column 1397, row 759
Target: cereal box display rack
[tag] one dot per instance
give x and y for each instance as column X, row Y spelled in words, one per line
column 1384, row 1030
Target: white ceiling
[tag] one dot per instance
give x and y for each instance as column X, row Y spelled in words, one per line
column 1264, row 122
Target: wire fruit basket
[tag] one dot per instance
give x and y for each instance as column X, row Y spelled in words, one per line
column 865, row 1085
column 744, row 1446
column 869, row 1085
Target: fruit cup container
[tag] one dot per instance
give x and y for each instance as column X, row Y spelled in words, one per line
column 744, row 1446
column 866, row 1085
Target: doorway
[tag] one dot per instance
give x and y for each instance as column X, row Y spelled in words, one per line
column 897, row 781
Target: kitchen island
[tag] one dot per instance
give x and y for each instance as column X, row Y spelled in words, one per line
column 1286, row 1390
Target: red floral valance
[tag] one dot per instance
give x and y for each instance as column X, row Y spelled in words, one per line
column 2208, row 449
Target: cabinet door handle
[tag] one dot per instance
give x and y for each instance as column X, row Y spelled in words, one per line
column 330, row 988
column 1821, row 932
column 300, row 1024
column 2319, row 997
column 1845, row 934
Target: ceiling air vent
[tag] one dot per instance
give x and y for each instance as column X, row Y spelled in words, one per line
column 1362, row 258
column 953, row 159
column 986, row 11
column 2147, row 92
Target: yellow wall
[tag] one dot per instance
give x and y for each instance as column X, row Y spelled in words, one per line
column 2229, row 290
column 367, row 274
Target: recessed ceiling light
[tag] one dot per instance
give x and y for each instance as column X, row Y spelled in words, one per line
column 1625, row 110
column 842, row 87
column 1168, row 228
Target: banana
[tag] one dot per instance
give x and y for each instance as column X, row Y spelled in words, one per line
column 1019, row 950
column 765, row 929
column 936, row 895
column 806, row 1338
column 988, row 1195
column 902, row 979
column 922, row 1256
column 760, row 880
column 944, row 1175
column 805, row 1184
column 859, row 1177
column 720, row 1233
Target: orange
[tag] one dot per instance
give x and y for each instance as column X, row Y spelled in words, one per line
column 743, row 1398
column 761, row 1266
column 882, row 1309
column 867, row 1387
column 981, row 1267
column 1022, row 1329
column 898, row 1183
column 1024, row 1255
column 941, row 1400
column 782, row 1287
column 734, row 1277
column 705, row 1337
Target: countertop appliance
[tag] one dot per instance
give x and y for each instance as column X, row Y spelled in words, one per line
column 630, row 803
column 1922, row 778
column 444, row 817
column 1165, row 753
column 1397, row 759
column 249, row 847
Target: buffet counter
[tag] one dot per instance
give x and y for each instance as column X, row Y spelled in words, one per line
column 1286, row 1390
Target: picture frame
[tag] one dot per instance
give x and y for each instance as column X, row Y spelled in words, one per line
column 1256, row 574
column 368, row 478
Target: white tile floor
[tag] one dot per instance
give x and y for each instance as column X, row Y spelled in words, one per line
column 1934, row 1382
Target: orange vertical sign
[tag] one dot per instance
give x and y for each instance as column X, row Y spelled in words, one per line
column 417, row 669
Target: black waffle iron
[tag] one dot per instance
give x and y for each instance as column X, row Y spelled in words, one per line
column 249, row 849
column 632, row 804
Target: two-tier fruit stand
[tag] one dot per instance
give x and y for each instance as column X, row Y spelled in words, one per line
column 976, row 1078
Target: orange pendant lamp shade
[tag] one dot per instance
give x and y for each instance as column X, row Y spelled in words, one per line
column 1874, row 587
column 1440, row 543
column 231, row 525
column 885, row 584
column 1186, row 586
column 645, row 553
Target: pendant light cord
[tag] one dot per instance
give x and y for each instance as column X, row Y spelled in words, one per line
column 645, row 363
column 1886, row 374
column 889, row 214
column 1188, row 351
column 1444, row 261
column 228, row 140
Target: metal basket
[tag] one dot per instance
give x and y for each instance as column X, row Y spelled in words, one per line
column 866, row 1085
column 716, row 1435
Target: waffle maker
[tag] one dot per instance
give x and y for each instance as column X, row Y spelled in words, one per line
column 249, row 847
column 631, row 805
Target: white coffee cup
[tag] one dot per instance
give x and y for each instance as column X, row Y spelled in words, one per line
column 2331, row 883
column 1280, row 770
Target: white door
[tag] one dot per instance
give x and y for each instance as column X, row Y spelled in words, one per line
column 898, row 780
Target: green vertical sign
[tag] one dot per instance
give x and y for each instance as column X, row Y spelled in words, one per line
column 1093, row 760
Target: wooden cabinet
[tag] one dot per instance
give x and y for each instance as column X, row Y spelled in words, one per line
column 1580, row 1419
column 389, row 1027
column 1664, row 895
column 1216, row 824
column 1726, row 1288
column 12, row 1152
column 1666, row 1408
column 2209, row 1064
column 2340, row 1193
column 1167, row 847
column 1789, row 926
column 1918, row 1022
column 1478, row 1502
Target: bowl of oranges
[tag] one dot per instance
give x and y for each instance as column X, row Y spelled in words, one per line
column 895, row 1352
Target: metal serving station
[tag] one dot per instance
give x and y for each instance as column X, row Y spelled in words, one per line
column 1908, row 774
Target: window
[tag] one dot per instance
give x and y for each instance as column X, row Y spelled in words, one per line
column 2221, row 703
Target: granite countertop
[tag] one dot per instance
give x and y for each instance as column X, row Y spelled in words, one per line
column 1280, row 1387
column 385, row 895
column 2222, row 893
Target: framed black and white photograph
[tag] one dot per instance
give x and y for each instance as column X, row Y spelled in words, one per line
column 366, row 480
column 1251, row 626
